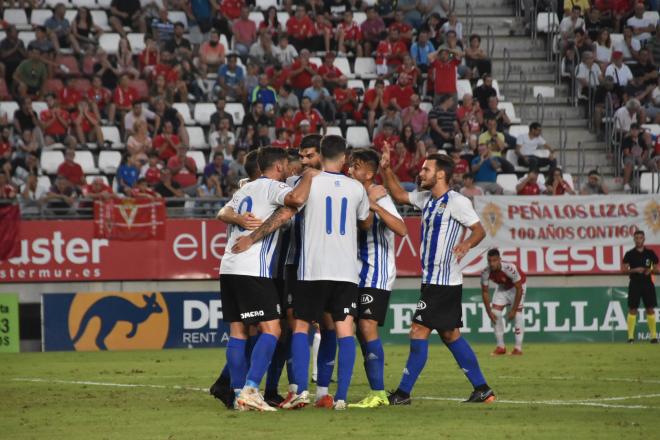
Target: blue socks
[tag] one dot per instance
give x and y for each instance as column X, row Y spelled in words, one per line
column 467, row 360
column 262, row 353
column 249, row 346
column 325, row 361
column 345, row 367
column 300, row 354
column 276, row 367
column 374, row 364
column 236, row 362
column 419, row 351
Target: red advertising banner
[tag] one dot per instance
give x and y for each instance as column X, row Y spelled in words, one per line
column 67, row 250
column 130, row 219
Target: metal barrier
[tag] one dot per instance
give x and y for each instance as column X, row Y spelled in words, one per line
column 452, row 5
column 616, row 138
column 581, row 166
column 490, row 41
column 469, row 18
column 506, row 64
column 608, row 121
column 540, row 108
column 591, row 100
column 522, row 94
column 574, row 81
column 563, row 140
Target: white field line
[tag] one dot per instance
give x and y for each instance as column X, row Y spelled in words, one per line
column 564, row 378
column 583, row 402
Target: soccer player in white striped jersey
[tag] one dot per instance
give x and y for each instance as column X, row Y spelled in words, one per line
column 249, row 295
column 446, row 215
column 376, row 257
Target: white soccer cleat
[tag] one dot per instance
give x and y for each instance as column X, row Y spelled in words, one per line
column 296, row 401
column 250, row 399
column 340, row 405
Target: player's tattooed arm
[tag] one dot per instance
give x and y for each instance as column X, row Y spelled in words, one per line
column 298, row 197
column 477, row 234
column 246, row 220
column 390, row 181
column 278, row 219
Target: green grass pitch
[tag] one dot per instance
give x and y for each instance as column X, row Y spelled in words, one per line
column 554, row 391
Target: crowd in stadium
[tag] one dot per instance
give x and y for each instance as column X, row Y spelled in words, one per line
column 166, row 98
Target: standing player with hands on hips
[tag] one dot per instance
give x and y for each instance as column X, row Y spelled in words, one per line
column 445, row 216
column 510, row 291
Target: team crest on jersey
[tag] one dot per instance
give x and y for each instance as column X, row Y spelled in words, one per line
column 366, row 299
column 492, row 218
column 421, row 305
column 337, row 182
column 440, row 209
column 652, row 216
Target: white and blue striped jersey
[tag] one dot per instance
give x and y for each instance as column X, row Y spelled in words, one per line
column 376, row 253
column 443, row 223
column 328, row 230
column 261, row 197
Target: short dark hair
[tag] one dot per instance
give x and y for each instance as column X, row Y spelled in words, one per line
column 268, row 156
column 333, row 146
column 251, row 165
column 444, row 163
column 366, row 156
column 534, row 125
column 639, row 232
column 311, row 141
column 494, row 252
column 468, row 176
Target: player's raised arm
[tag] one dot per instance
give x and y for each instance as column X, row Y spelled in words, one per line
column 390, row 180
column 298, row 197
column 396, row 224
column 246, row 220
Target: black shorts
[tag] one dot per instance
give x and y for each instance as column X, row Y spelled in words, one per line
column 313, row 298
column 290, row 283
column 439, row 307
column 644, row 292
column 249, row 299
column 373, row 304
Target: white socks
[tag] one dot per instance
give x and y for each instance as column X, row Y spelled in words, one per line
column 499, row 327
column 519, row 330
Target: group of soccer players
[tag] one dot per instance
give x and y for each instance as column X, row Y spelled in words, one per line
column 318, row 249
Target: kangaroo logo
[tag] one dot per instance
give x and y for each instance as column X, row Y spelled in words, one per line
column 119, row 319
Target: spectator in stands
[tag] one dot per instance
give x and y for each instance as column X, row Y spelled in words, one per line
column 555, row 185
column 168, row 188
column 25, row 118
column 285, row 120
column 287, row 99
column 84, row 30
column 501, row 118
column 261, row 52
column 476, row 57
column 329, row 72
column 7, row 190
column 70, row 170
column 645, row 70
column 642, row 27
column 162, row 28
column 301, row 73
column 256, row 116
column 86, row 124
column 603, row 49
column 570, row 23
column 399, row 94
column 421, row 49
column 56, row 122
column 244, row 31
column 311, row 115
column 231, row 79
column 263, row 93
column 43, row 44
column 529, row 185
column 386, row 134
column 26, row 145
column 59, row 30
column 444, row 126
column 635, row 148
column 300, row 29
column 443, row 75
column 620, row 72
column 627, row 115
column 125, row 64
column 321, row 98
column 496, row 143
column 166, row 143
column 151, row 170
column 485, row 169
column 248, row 139
column 30, row 76
column 409, row 69
column 629, row 45
column 97, row 190
column 588, row 73
column 12, row 52
column 434, row 23
column 284, row 52
column 122, row 100
column 639, row 92
column 99, row 97
column 184, row 171
column 390, row 52
column 349, row 36
column 139, row 113
column 165, row 112
column 654, row 46
column 323, row 32
column 126, row 13
column 219, row 114
column 372, row 28
column 456, row 52
column 211, row 53
column 453, row 25
column 69, row 96
column 412, row 12
column 527, row 145
column 393, row 117
column 6, row 145
column 61, row 197
column 270, row 24
column 142, row 190
column 31, row 193
column 652, row 109
column 127, row 174
column 139, row 142
column 414, row 116
column 470, row 117
column 179, row 45
column 223, row 139
column 469, row 189
column 374, row 104
column 217, row 170
column 405, row 29
column 594, row 184
column 346, row 103
column 282, row 138
column 237, row 170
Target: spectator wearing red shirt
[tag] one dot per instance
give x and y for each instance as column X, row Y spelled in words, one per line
column 349, row 35
column 303, row 129
column 166, row 143
column 87, row 124
column 329, row 72
column 56, row 122
column 97, row 190
column 405, row 30
column 387, row 134
column 6, row 148
column 149, row 57
column 414, row 116
column 122, row 100
column 470, row 116
column 231, row 8
column 300, row 29
column 309, row 114
column 282, row 140
column 555, row 185
column 399, row 94
column 69, row 96
column 346, row 103
column 70, row 170
column 390, row 53
column 245, row 32
column 142, row 190
column 7, row 191
column 374, row 104
column 443, row 74
column 528, row 185
column 184, row 171
column 151, row 171
column 408, row 68
column 302, row 71
column 286, row 120
column 278, row 75
column 404, row 165
column 99, row 96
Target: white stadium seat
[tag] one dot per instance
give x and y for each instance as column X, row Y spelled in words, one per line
column 70, row 14
column 648, row 183
column 199, row 159
column 50, row 161
column 544, row 91
column 316, row 60
column 26, row 37
column 463, row 86
column 39, row 16
column 257, row 17
column 654, row 129
column 104, row 4
column 86, row 160
column 111, row 134
column 203, row 112
column 568, row 178
column 89, row 4
column 109, row 161
column 510, row 111
column 508, row 182
column 282, row 18
column 184, row 110
column 546, row 21
column 109, row 43
column 137, row 42
column 17, row 17
column 341, row 63
column 236, row 110
column 372, row 83
column 44, row 182
column 333, row 130
column 358, row 137
column 365, row 68
column 196, row 138
column 652, row 16
column 265, row 4
column 517, row 130
column 8, row 108
column 356, row 84
column 512, row 158
column 359, row 17
column 178, row 16
column 39, row 106
column 101, row 19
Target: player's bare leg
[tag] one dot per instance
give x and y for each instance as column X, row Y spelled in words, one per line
column 498, row 328
column 519, row 332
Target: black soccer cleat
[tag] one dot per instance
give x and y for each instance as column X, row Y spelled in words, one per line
column 631, row 341
column 398, row 397
column 222, row 391
column 273, row 400
column 483, row 396
column 654, row 341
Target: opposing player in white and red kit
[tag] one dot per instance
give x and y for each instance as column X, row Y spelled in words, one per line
column 509, row 291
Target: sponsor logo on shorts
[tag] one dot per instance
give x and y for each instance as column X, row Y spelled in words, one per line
column 421, row 305
column 366, row 299
column 353, row 306
column 252, row 314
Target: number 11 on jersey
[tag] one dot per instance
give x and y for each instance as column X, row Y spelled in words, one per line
column 342, row 215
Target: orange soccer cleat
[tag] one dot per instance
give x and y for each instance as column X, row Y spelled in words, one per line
column 499, row 351
column 325, row 402
column 516, row 352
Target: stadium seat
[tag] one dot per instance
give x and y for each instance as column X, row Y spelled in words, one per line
column 184, row 110
column 568, row 178
column 426, row 106
column 203, row 112
column 512, row 158
column 199, row 159
column 616, row 39
column 545, row 91
column 8, row 108
column 89, row 4
column 196, row 138
column 101, row 19
column 257, row 17
column 316, row 60
column 653, row 128
column 39, row 106
column 53, row 3
column 17, row 17
column 653, row 16
column 282, row 18
column 44, row 182
column 104, row 4
column 90, row 179
column 111, row 134
column 85, row 159
column 508, row 182
column 26, row 37
column 236, row 110
column 650, row 183
column 137, row 42
column 358, row 137
column 178, row 16
column 517, row 130
column 463, row 86
column 70, row 62
column 546, row 21
column 50, row 161
column 510, row 111
column 39, row 16
column 365, row 67
column 109, row 161
column 70, row 14
column 142, row 88
column 53, row 85
column 334, row 130
column 359, row 17
column 265, row 4
column 356, row 84
column 341, row 63
column 3, row 35
column 110, row 43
